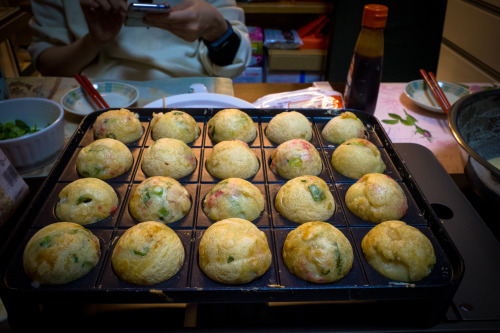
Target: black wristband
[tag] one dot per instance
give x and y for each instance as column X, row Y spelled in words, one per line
column 223, row 50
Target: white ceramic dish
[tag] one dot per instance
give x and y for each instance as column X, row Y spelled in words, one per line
column 33, row 151
column 200, row 100
column 421, row 94
column 116, row 94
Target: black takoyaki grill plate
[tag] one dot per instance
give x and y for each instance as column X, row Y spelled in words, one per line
column 190, row 285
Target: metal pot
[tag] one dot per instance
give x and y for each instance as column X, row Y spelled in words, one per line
column 475, row 123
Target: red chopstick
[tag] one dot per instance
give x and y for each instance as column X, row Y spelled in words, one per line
column 91, row 91
column 440, row 91
column 431, row 81
column 96, row 93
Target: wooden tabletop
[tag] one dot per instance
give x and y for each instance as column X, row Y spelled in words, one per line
column 250, row 92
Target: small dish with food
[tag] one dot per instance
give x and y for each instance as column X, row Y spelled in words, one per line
column 36, row 136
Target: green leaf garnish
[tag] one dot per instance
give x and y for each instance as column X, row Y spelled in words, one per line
column 338, row 258
column 46, row 241
column 97, row 170
column 295, row 161
column 16, row 129
column 83, row 199
column 146, row 197
column 157, row 190
column 142, row 253
column 163, row 211
column 230, row 259
column 316, row 193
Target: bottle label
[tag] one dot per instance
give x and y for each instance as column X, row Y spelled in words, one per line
column 348, row 83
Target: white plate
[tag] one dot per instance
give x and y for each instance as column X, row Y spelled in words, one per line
column 200, row 100
column 116, row 94
column 422, row 95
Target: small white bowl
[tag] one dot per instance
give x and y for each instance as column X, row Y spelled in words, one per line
column 116, row 94
column 421, row 94
column 33, row 151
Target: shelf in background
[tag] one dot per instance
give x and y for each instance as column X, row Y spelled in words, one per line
column 287, row 7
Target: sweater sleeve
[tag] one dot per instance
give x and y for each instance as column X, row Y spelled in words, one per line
column 223, row 50
column 50, row 27
column 236, row 17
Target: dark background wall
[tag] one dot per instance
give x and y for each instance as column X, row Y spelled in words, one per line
column 412, row 37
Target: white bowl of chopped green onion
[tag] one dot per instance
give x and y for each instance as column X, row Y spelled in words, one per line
column 31, row 132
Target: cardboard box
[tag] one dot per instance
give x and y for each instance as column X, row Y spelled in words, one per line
column 293, row 76
column 296, row 60
column 250, row 75
column 256, row 39
column 257, row 61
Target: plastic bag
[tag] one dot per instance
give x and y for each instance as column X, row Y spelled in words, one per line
column 281, row 39
column 309, row 98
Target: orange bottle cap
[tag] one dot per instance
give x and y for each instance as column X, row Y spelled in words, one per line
column 374, row 16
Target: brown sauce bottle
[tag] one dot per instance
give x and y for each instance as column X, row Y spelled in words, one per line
column 365, row 72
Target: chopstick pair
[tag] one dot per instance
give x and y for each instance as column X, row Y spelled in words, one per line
column 91, row 91
column 431, row 81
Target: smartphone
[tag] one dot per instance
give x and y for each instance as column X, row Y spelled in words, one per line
column 136, row 12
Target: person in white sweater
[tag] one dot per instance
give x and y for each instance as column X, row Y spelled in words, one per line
column 196, row 38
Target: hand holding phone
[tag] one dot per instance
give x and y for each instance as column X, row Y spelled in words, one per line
column 137, row 11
